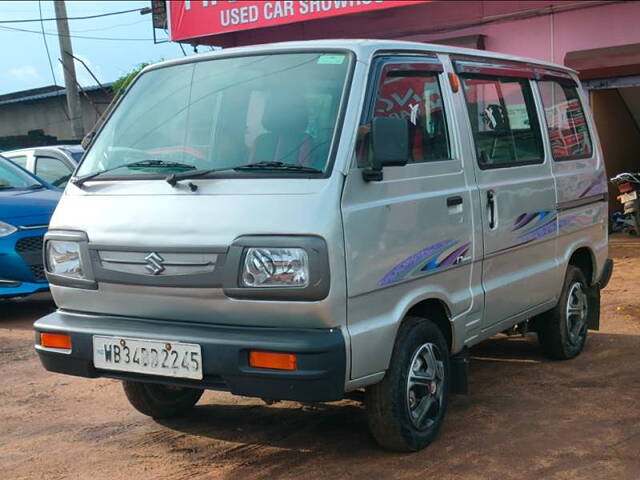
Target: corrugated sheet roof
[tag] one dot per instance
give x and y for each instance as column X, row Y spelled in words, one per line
column 30, row 92
column 43, row 93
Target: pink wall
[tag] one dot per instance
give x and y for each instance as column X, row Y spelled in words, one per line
column 551, row 37
column 545, row 37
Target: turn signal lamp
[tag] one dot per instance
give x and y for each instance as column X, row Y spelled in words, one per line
column 272, row 360
column 56, row 340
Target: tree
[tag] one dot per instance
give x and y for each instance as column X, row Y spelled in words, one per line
column 121, row 84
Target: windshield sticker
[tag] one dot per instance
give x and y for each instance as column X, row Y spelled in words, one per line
column 330, row 59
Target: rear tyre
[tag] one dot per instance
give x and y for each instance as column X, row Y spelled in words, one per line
column 562, row 331
column 406, row 409
column 161, row 401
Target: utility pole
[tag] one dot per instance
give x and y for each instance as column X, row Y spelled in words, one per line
column 69, row 70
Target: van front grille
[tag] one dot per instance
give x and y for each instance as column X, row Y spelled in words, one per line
column 157, row 263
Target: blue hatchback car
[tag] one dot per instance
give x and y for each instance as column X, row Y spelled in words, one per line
column 26, row 206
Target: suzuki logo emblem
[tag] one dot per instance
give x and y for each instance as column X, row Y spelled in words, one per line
column 154, row 263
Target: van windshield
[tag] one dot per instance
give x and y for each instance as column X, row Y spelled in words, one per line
column 221, row 113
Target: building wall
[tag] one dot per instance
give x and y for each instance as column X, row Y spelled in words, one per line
column 542, row 35
column 49, row 115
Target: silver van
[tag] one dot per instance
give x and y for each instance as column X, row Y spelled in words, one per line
column 321, row 220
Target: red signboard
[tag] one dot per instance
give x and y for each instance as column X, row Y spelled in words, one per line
column 198, row 18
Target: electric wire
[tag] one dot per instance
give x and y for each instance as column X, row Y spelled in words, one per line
column 144, row 20
column 46, row 47
column 15, row 29
column 84, row 17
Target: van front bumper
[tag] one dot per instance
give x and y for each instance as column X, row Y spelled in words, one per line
column 319, row 375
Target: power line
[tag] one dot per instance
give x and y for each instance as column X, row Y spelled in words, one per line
column 85, row 17
column 46, row 47
column 90, row 72
column 110, row 27
column 15, row 29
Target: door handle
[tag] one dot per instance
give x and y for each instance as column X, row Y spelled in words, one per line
column 453, row 201
column 491, row 206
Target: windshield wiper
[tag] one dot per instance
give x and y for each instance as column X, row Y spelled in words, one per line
column 278, row 166
column 35, row 186
column 78, row 181
column 174, row 178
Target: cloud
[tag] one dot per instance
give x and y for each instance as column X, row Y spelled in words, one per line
column 83, row 77
column 24, row 73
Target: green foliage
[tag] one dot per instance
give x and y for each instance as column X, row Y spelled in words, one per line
column 123, row 82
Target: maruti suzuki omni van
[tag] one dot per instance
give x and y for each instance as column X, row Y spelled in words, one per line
column 306, row 221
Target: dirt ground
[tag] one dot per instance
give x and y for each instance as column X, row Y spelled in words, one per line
column 525, row 418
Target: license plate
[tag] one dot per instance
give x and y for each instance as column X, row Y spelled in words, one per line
column 627, row 197
column 151, row 357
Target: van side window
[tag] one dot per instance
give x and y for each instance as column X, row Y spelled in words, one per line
column 416, row 96
column 503, row 120
column 566, row 123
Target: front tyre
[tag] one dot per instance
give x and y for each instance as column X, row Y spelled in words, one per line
column 563, row 330
column 406, row 409
column 161, row 401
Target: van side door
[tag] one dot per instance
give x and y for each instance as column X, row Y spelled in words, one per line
column 578, row 168
column 516, row 191
column 408, row 236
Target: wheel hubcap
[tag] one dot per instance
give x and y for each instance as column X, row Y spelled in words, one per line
column 577, row 311
column 425, row 382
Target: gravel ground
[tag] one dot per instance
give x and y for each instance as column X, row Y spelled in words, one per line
column 525, row 418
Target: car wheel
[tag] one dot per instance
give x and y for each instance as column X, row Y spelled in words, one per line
column 406, row 409
column 161, row 401
column 562, row 331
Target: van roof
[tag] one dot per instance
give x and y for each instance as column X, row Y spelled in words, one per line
column 362, row 47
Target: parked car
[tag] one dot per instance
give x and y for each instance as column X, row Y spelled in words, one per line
column 54, row 164
column 26, row 205
column 307, row 220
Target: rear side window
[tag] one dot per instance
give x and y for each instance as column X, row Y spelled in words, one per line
column 503, row 120
column 566, row 123
column 53, row 170
column 412, row 92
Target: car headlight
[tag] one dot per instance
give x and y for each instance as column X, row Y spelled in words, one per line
column 63, row 258
column 6, row 229
column 275, row 267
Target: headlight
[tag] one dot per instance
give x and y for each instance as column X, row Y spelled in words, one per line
column 275, row 267
column 63, row 258
column 6, row 229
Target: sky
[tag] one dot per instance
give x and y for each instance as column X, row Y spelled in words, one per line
column 23, row 58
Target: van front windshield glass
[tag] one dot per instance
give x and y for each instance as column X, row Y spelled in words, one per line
column 225, row 113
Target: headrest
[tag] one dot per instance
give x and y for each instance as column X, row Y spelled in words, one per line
column 285, row 112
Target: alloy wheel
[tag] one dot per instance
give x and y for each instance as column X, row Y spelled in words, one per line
column 576, row 313
column 425, row 386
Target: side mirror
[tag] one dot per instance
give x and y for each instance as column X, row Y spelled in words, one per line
column 389, row 141
column 88, row 138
